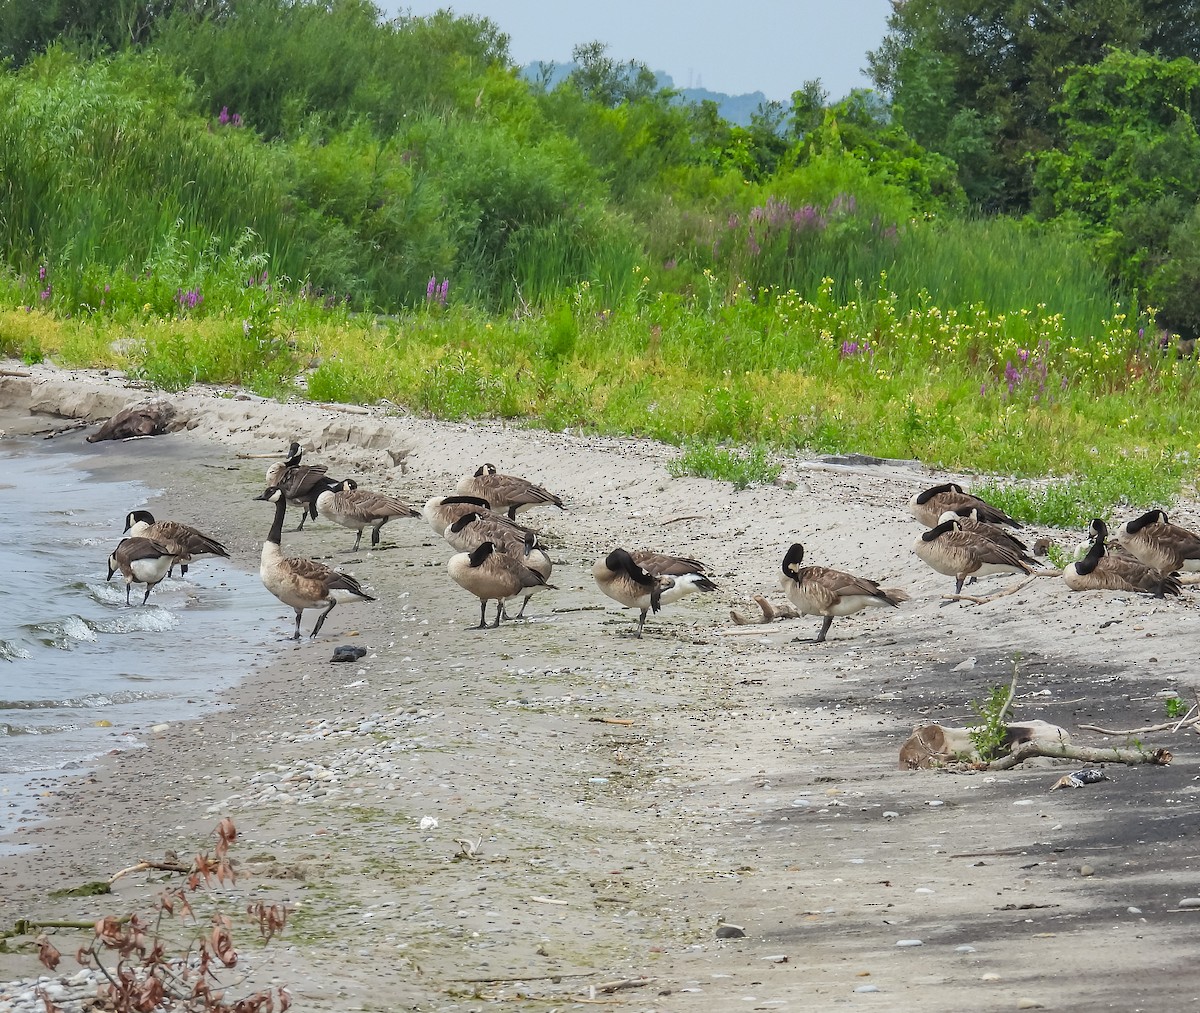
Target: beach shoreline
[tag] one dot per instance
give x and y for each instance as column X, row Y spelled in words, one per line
column 748, row 781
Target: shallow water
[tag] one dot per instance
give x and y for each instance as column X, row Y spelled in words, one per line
column 81, row 673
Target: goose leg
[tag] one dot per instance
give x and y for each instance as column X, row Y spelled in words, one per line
column 482, row 615
column 826, row 623
column 299, row 613
column 146, row 596
column 357, row 539
column 321, row 620
column 499, row 610
column 641, row 623
column 128, row 603
column 375, row 534
column 523, row 604
column 182, row 570
column 958, row 583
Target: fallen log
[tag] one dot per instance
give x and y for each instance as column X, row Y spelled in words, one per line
column 1065, row 751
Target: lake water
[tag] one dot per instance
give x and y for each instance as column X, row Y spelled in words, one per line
column 80, row 673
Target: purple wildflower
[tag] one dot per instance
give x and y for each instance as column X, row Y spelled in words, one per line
column 223, row 118
column 431, row 288
column 444, row 291
column 982, row 389
column 188, row 300
column 1023, row 355
column 42, row 273
column 46, row 292
column 849, row 348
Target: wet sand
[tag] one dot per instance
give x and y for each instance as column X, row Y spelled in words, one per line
column 753, row 779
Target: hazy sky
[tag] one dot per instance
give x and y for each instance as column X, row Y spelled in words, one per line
column 732, row 46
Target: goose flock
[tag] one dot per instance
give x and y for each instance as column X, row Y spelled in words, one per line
column 498, row 559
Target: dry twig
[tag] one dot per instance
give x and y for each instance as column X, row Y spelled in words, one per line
column 1062, row 750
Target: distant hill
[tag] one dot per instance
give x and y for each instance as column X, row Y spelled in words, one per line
column 734, row 108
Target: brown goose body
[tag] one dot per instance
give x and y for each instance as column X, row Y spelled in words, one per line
column 473, row 529
column 928, row 506
column 821, row 591
column 185, row 541
column 298, row 582
column 648, row 587
column 506, row 493
column 357, row 509
column 969, row 521
column 493, row 575
column 442, row 511
column 961, row 554
column 141, row 561
column 1158, row 543
column 301, row 483
column 1101, row 571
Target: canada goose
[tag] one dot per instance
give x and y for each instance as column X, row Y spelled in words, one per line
column 820, row 591
column 1157, row 542
column 345, row 504
column 928, row 506
column 491, row 574
column 1099, row 570
column 301, row 483
column 473, row 529
column 1113, row 549
column 968, row 519
column 300, row 583
column 442, row 511
column 141, row 561
column 961, row 554
column 506, row 492
column 182, row 539
column 634, row 585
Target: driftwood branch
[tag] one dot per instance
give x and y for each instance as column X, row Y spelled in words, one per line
column 1172, row 726
column 615, row 986
column 683, row 517
column 976, row 600
column 1065, row 751
column 146, row 865
column 15, row 372
column 770, row 613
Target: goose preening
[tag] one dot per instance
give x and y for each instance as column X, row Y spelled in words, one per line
column 184, row 540
column 1155, row 541
column 1102, row 571
column 928, row 506
column 820, row 591
column 491, row 574
column 968, row 519
column 351, row 507
column 141, row 561
column 473, row 529
column 506, row 493
column 301, row 583
column 442, row 511
column 960, row 554
column 648, row 585
column 301, row 483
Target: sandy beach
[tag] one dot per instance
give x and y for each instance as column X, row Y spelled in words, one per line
column 604, row 803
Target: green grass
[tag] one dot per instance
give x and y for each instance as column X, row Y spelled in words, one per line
column 742, row 467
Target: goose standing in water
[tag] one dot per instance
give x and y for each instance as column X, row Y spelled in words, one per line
column 345, row 504
column 141, row 561
column 506, row 492
column 657, row 580
column 821, row 591
column 490, row 574
column 297, row 582
column 1155, row 541
column 928, row 506
column 182, row 539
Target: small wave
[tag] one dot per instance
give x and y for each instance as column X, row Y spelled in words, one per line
column 10, row 651
column 150, row 619
column 63, row 633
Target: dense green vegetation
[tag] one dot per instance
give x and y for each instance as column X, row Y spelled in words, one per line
column 273, row 192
